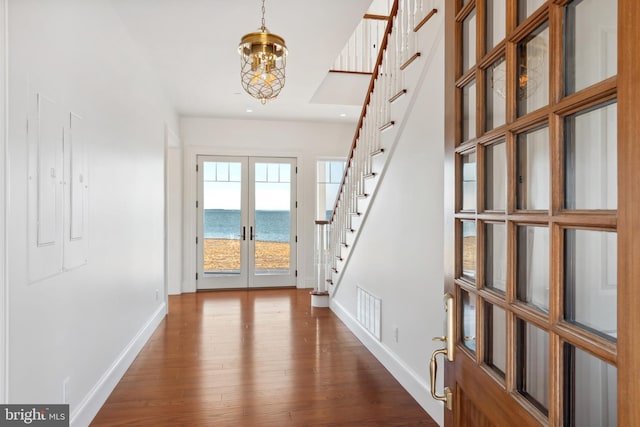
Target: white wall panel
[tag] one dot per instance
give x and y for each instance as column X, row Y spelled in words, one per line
column 76, row 206
column 45, row 134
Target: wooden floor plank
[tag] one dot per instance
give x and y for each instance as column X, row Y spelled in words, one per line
column 256, row 358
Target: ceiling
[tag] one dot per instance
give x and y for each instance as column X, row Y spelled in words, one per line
column 193, row 46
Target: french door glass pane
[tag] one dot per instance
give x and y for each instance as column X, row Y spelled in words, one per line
column 469, row 320
column 496, row 177
column 496, row 22
column 495, row 268
column 469, row 41
column 469, row 111
column 533, row 266
column 527, row 7
column 469, row 181
column 533, row 71
column 532, row 364
column 590, row 43
column 496, row 338
column 590, row 390
column 221, row 221
column 272, row 218
column 590, row 281
column 590, row 158
column 532, row 152
column 496, row 108
column 468, row 250
column 328, row 179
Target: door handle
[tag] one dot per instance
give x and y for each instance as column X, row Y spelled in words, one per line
column 251, row 233
column 244, row 232
column 447, row 397
column 447, row 351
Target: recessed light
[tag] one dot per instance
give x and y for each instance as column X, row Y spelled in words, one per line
column 343, row 115
column 249, row 110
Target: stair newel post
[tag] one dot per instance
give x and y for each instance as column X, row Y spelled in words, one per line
column 320, row 296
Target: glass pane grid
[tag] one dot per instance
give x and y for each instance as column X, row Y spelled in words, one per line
column 469, row 111
column 468, row 250
column 532, row 195
column 590, row 158
column 589, row 390
column 533, row 281
column 496, row 23
column 468, row 313
column 590, row 43
column 495, row 171
column 469, row 41
column 532, row 365
column 495, row 256
column 532, row 82
column 526, row 8
column 469, row 181
column 496, row 94
column 590, row 281
column 495, row 335
column 533, row 169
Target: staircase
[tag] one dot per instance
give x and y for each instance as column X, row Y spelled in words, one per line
column 396, row 73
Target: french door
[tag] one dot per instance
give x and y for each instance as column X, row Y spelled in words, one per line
column 246, row 222
column 543, row 169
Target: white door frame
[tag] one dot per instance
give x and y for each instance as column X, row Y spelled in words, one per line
column 4, row 166
column 189, row 161
column 247, row 276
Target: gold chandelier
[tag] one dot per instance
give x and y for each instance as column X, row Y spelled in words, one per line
column 262, row 63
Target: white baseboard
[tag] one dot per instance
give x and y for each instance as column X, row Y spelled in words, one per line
column 88, row 408
column 411, row 382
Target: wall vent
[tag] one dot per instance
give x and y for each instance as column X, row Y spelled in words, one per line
column 368, row 312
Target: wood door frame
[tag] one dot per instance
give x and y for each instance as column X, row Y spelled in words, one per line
column 628, row 217
column 628, row 211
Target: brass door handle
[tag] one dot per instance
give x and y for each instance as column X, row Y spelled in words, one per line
column 447, row 397
column 448, row 352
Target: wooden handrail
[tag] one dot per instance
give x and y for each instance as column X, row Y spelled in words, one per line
column 374, row 76
column 375, row 17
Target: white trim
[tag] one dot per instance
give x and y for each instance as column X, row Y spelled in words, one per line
column 409, row 379
column 93, row 401
column 4, row 166
column 189, row 196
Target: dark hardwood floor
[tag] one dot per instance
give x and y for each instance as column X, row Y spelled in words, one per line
column 256, row 358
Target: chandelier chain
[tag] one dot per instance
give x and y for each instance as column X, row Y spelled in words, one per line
column 263, row 10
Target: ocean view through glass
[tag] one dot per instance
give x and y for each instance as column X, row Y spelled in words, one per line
column 274, row 226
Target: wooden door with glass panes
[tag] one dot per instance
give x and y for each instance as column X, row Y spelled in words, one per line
column 543, row 168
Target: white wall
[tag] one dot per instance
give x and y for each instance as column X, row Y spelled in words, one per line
column 86, row 325
column 3, row 171
column 174, row 207
column 305, row 141
column 398, row 256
